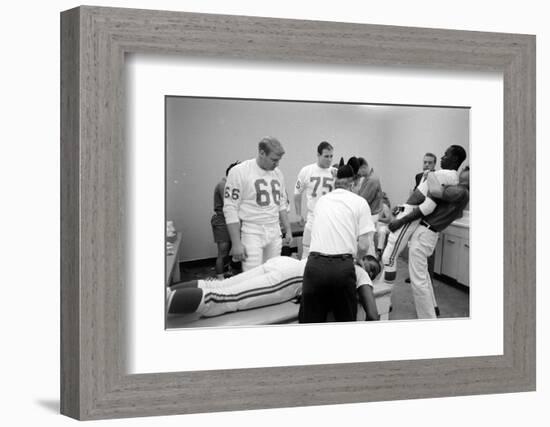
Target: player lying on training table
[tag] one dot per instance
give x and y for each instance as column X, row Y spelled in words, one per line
column 433, row 184
column 276, row 281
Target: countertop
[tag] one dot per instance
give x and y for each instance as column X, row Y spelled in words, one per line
column 463, row 222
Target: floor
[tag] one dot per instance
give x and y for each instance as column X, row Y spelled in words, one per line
column 453, row 301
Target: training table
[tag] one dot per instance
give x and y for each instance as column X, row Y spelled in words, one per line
column 276, row 314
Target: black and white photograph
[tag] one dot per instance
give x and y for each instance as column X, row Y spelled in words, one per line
column 174, row 286
column 296, row 211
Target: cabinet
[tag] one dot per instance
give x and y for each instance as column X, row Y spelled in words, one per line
column 463, row 275
column 452, row 254
column 438, row 252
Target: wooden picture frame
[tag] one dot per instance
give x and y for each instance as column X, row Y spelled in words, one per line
column 94, row 41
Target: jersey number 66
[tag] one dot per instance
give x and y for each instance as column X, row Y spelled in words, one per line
column 263, row 197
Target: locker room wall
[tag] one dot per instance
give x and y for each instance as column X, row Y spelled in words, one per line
column 205, row 135
column 412, row 132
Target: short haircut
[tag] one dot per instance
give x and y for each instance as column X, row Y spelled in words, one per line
column 269, row 144
column 343, row 182
column 431, row 155
column 354, row 163
column 324, row 146
column 362, row 161
column 459, row 153
column 345, row 171
column 231, row 166
column 344, row 177
column 371, row 258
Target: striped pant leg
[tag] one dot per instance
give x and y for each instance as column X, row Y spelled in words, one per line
column 381, row 231
column 259, row 287
column 397, row 241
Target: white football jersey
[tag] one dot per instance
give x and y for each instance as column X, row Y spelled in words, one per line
column 254, row 194
column 363, row 277
column 444, row 176
column 315, row 181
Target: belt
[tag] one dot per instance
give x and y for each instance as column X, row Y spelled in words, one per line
column 337, row 256
column 428, row 226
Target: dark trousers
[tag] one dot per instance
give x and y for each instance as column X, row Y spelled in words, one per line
column 329, row 285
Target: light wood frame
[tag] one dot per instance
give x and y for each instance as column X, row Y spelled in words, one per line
column 94, row 41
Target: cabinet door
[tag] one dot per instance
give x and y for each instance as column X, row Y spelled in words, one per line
column 451, row 250
column 464, row 263
column 438, row 254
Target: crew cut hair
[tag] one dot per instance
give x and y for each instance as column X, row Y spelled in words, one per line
column 269, row 144
column 432, row 155
column 459, row 153
column 324, row 146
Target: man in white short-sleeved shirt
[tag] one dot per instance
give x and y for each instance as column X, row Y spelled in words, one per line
column 315, row 180
column 342, row 226
column 255, row 204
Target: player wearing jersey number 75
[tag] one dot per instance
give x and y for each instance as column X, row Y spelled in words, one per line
column 315, row 180
column 255, row 204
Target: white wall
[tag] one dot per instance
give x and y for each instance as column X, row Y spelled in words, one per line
column 205, row 135
column 29, row 217
column 411, row 134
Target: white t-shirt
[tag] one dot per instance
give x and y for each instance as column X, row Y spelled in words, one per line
column 315, row 181
column 363, row 277
column 254, row 194
column 340, row 217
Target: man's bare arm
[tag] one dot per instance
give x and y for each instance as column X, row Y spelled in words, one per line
column 298, row 207
column 368, row 302
column 283, row 217
column 238, row 251
column 410, row 217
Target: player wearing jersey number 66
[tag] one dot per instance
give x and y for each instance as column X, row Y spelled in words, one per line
column 255, row 204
